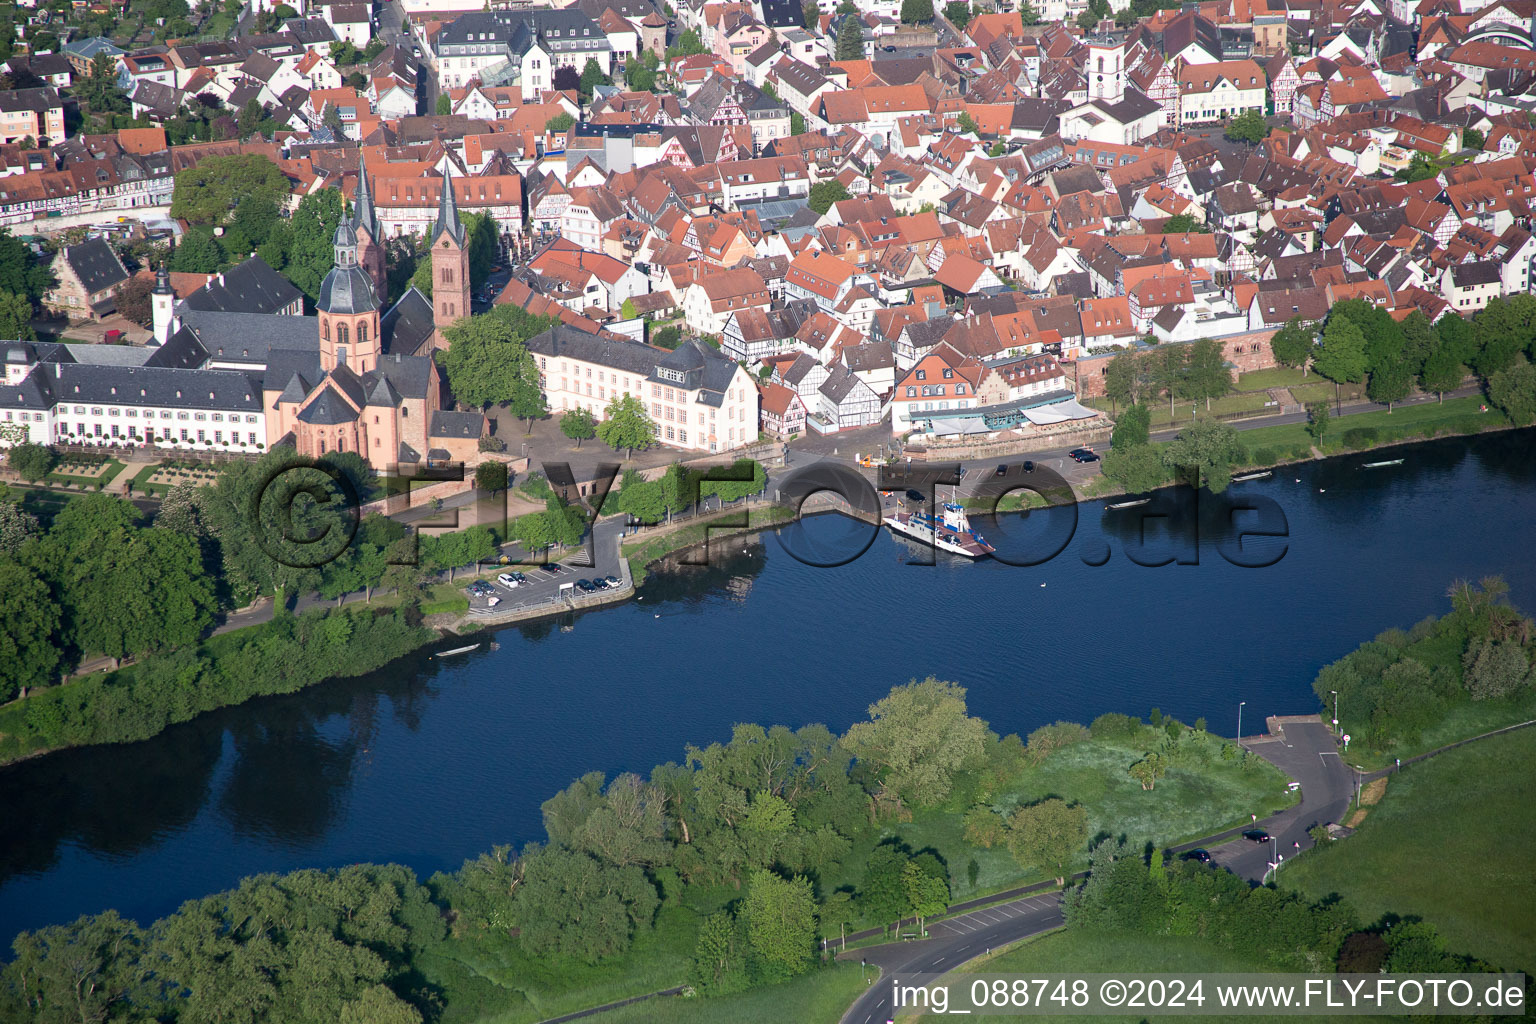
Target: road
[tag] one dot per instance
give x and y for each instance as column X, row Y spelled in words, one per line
column 1302, row 748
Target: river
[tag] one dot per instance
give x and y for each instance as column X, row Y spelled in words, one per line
column 430, row 762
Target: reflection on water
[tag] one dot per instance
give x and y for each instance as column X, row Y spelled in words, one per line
column 428, row 762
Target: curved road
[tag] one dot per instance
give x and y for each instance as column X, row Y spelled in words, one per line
column 1301, row 747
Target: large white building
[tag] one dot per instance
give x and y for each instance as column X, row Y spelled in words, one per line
column 697, row 398
column 532, row 43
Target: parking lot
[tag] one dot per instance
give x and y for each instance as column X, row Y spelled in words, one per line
column 541, row 583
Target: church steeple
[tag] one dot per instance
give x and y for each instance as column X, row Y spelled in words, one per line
column 363, row 217
column 448, row 213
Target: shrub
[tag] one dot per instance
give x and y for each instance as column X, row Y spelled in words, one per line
column 1114, row 726
column 1356, row 438
column 1048, row 739
column 492, row 444
column 32, row 461
column 1263, row 457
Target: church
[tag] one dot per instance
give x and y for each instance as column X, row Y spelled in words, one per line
column 354, row 377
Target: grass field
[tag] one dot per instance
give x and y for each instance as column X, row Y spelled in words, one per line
column 1073, row 951
column 1193, row 800
column 642, row 552
column 1450, row 843
column 1456, row 415
column 817, row 998
column 1280, row 377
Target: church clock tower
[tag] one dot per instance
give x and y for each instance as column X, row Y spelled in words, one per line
column 450, row 265
column 349, row 310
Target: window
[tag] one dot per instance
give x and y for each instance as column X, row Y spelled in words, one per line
column 341, row 334
column 202, row 436
column 922, row 374
column 362, row 333
column 218, row 417
column 252, row 438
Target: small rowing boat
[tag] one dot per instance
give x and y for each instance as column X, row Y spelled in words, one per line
column 457, row 650
column 1378, row 465
column 1128, row 504
column 1261, row 475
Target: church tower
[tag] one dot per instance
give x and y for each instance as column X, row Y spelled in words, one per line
column 450, row 264
column 370, row 240
column 348, row 308
column 1106, row 69
column 162, row 304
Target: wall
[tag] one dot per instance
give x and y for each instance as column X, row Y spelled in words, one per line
column 1246, row 353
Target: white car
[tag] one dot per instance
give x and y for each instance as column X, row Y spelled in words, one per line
column 506, row 579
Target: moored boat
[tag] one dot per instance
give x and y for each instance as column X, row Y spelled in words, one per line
column 951, row 531
column 1128, row 504
column 457, row 650
column 1378, row 465
column 1262, row 474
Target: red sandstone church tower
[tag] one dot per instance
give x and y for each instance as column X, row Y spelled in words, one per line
column 349, row 310
column 450, row 265
column 370, row 241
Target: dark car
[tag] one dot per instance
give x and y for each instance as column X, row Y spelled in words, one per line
column 1203, row 856
column 587, row 587
column 552, row 567
column 1083, row 455
column 1029, row 467
column 1002, row 470
column 917, row 496
column 1256, row 835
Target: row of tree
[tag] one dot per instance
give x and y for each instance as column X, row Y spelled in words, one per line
column 1193, row 372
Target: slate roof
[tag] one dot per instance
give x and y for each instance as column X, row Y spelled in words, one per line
column 563, row 342
column 246, row 337
column 328, row 409
column 95, row 264
column 408, row 325
column 347, row 289
column 702, row 367
column 447, row 423
column 154, row 385
column 250, row 287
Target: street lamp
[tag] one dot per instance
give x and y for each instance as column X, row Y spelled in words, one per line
column 1274, row 866
column 1335, row 710
column 1240, row 722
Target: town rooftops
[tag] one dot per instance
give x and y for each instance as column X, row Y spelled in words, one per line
column 249, row 287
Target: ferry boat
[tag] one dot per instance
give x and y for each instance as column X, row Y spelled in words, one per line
column 950, row 531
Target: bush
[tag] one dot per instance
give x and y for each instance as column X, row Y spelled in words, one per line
column 32, row 461
column 1263, row 457
column 1048, row 739
column 489, row 443
column 1115, row 726
column 1356, row 438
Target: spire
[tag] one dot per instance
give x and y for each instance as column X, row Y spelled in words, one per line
column 448, row 213
column 362, row 214
column 163, row 279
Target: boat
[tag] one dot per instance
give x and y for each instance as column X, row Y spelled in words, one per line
column 1378, row 465
column 951, row 531
column 1263, row 474
column 457, row 650
column 1128, row 504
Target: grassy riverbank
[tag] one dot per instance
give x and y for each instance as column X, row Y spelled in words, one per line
column 645, row 550
column 1451, row 842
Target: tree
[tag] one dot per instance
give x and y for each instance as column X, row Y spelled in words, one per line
column 1513, row 391
column 591, row 77
column 491, row 476
column 16, row 317
column 1121, row 378
column 444, row 105
column 1047, row 834
column 967, row 124
column 1292, row 344
column 29, row 622
column 796, row 123
column 1205, row 371
column 1317, row 420
column 579, row 425
column 1390, row 381
column 1132, row 428
column 1249, row 126
column 1137, row 468
column 927, row 894
column 20, row 272
column 1443, row 371
column 639, row 78
column 825, row 193
column 573, row 904
column 780, row 917
column 917, row 739
column 1208, row 448
column 198, row 252
column 488, row 362
column 1471, row 138
column 1028, row 14
column 627, row 310
column 810, row 15
column 16, row 526
column 626, row 425
column 32, row 462
column 916, row 12
column 312, row 244
column 1495, row 668
column 1184, row 223
column 719, row 955
column 98, row 90
column 132, row 300
column 850, row 38
column 483, row 245
column 958, row 12
column 1418, row 169
column 206, row 192
column 1341, row 356
column 559, row 123
column 1148, row 770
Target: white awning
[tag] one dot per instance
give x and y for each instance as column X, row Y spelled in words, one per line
column 1058, row 412
column 952, row 426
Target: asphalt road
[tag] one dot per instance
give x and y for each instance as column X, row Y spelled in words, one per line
column 1305, row 750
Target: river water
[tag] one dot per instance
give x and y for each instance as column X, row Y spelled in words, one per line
column 428, row 762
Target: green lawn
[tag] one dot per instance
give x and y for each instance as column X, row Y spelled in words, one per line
column 1073, row 951
column 642, row 552
column 63, row 476
column 817, row 998
column 1450, row 842
column 1183, row 412
column 1281, row 377
column 1193, row 800
column 1456, row 415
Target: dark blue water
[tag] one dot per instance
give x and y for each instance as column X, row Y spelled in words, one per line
column 428, row 763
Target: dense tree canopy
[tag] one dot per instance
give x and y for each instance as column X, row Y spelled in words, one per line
column 207, row 192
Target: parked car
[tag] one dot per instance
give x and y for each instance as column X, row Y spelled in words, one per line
column 1083, row 455
column 480, row 588
column 556, row 569
column 1029, row 466
column 587, row 586
column 508, row 580
column 1002, row 470
column 917, row 496
column 1203, row 856
column 614, row 583
column 1256, row 835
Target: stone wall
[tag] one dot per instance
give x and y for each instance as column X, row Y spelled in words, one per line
column 1246, row 352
